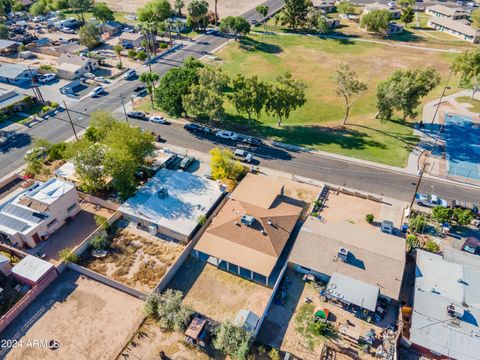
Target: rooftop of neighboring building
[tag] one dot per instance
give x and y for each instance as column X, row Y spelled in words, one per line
column 31, row 268
column 458, row 26
column 446, row 10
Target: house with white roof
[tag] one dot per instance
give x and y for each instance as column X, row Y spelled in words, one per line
column 446, row 310
column 31, row 270
column 30, row 215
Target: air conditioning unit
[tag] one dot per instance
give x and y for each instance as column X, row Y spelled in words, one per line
column 455, row 311
column 247, row 220
column 152, row 229
column 342, row 254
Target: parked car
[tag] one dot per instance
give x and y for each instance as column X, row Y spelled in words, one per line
column 472, row 4
column 67, row 30
column 128, row 29
column 89, row 75
column 252, row 140
column 186, row 162
column 192, row 127
column 38, row 19
column 99, row 90
column 225, row 134
column 136, row 115
column 243, row 155
column 208, row 130
column 466, row 206
column 387, row 227
column 140, row 91
column 101, row 79
column 46, row 78
column 210, row 31
column 130, row 74
column 158, row 119
column 38, row 152
column 429, row 200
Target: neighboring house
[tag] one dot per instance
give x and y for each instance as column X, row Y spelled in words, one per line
column 74, row 66
column 29, row 216
column 327, row 6
column 172, row 202
column 396, row 13
column 332, row 23
column 8, row 46
column 33, row 271
column 453, row 13
column 445, row 321
column 358, row 262
column 456, row 28
column 131, row 39
column 16, row 74
column 12, row 101
column 111, row 28
column 249, row 234
column 5, row 266
column 394, row 28
column 178, row 24
column 70, row 48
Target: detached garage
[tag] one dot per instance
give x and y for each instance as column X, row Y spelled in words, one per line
column 33, row 271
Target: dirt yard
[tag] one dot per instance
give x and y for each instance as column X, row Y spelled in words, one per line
column 90, row 320
column 217, row 294
column 225, row 8
column 149, row 340
column 136, row 259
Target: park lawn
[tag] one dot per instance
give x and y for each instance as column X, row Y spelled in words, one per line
column 474, row 103
column 317, row 123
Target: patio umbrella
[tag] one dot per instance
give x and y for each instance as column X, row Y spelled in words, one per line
column 321, row 314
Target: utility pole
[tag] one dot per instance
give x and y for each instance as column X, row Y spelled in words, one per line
column 441, row 97
column 419, row 180
column 35, row 88
column 123, row 105
column 70, row 119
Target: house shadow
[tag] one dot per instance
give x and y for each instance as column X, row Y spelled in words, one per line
column 250, row 44
column 187, row 275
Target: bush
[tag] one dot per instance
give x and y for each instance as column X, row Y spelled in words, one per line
column 163, row 45
column 57, row 151
column 232, row 340
column 99, row 242
column 142, row 55
column 167, row 308
column 202, row 220
column 412, row 242
column 101, row 222
column 119, row 66
column 46, row 67
column 418, row 223
column 442, row 214
column 369, row 218
column 131, row 53
column 68, row 256
column 463, row 216
column 432, row 246
column 274, row 354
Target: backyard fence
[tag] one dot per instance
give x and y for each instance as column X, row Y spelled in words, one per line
column 97, row 201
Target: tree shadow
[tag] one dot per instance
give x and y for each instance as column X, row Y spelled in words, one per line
column 409, row 140
column 405, row 36
column 250, row 44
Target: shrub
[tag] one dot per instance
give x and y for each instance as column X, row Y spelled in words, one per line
column 369, row 218
column 463, row 216
column 163, row 45
column 101, row 222
column 119, row 66
column 167, row 308
column 99, row 242
column 141, row 55
column 432, row 246
column 46, row 67
column 412, row 242
column 442, row 214
column 131, row 53
column 417, row 223
column 57, row 151
column 68, row 256
column 274, row 354
column 202, row 220
column 232, row 340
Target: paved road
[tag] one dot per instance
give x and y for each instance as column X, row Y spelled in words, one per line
column 317, row 167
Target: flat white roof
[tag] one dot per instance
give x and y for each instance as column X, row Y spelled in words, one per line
column 66, row 170
column 31, row 268
column 50, row 191
column 353, row 291
column 173, row 200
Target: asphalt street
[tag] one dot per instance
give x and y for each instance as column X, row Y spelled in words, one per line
column 334, row 171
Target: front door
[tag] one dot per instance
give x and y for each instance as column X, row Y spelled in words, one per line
column 36, row 238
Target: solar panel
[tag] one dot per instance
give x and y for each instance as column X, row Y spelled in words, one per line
column 23, row 213
column 13, row 223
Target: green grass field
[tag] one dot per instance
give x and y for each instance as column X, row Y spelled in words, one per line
column 475, row 104
column 317, row 123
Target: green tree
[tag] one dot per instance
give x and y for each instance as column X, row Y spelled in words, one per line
column 197, row 10
column 232, row 340
column 57, row 151
column 403, row 90
column 442, row 214
column 39, row 8
column 412, row 242
column 102, row 12
column 168, row 309
column 89, row 165
column 122, row 166
column 204, row 101
column 235, row 25
column 88, row 35
column 376, row 21
column 418, row 223
column 68, row 255
column 322, row 25
column 294, row 13
column 475, row 16
column 349, row 87
column 141, row 55
column 468, row 64
column 463, row 216
column 179, row 5
column 407, row 16
column 3, row 31
column 99, row 242
column 407, row 3
column 80, row 7
column 284, row 96
column 249, row 95
column 118, row 48
column 149, row 79
column 346, row 7
column 431, row 246
column 60, row 4
column 263, row 11
column 224, row 166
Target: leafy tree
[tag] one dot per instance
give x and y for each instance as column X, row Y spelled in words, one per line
column 274, row 354
column 179, row 5
column 346, row 7
column 39, row 8
column 57, row 151
column 99, row 242
column 80, row 7
column 418, row 223
column 101, row 222
column 432, row 246
column 235, row 25
column 177, row 83
column 249, row 95
column 232, row 340
column 412, row 242
column 151, row 17
column 224, row 166
column 102, row 12
column 118, row 48
column 403, row 90
column 407, row 3
column 3, row 31
column 88, row 35
column 369, row 218
column 468, row 64
column 132, row 53
column 122, row 166
column 285, row 96
column 442, row 214
column 376, row 21
column 141, row 55
column 263, row 10
column 349, row 87
column 149, row 79
column 322, row 25
column 408, row 15
column 68, row 255
column 89, row 165
column 294, row 13
column 167, row 308
column 204, row 101
column 197, row 10
column 60, row 4
column 463, row 216
column 475, row 16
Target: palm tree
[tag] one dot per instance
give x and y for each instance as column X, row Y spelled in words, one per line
column 216, row 13
column 179, row 5
column 118, row 50
column 149, row 78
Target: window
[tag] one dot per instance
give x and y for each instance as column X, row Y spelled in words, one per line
column 71, row 207
column 51, row 223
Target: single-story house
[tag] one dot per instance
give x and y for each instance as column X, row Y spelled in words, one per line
column 70, row 48
column 177, row 23
column 28, row 216
column 16, row 74
column 8, row 46
column 249, row 234
column 131, row 39
column 32, row 271
column 456, row 28
column 350, row 256
column 394, row 28
column 332, row 23
column 111, row 28
column 13, row 100
column 453, row 13
column 396, row 13
column 445, row 320
column 327, row 6
column 66, row 172
column 172, row 203
column 74, row 66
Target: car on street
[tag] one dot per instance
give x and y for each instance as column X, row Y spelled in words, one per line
column 430, row 200
column 38, row 152
column 101, row 79
column 38, row 19
column 89, row 75
column 67, row 30
column 193, row 127
column 99, row 90
column 210, row 31
column 140, row 91
column 137, row 115
column 225, row 134
column 130, row 74
column 252, row 140
column 243, row 155
column 253, row 21
column 158, row 119
column 46, row 78
column 186, row 162
column 208, row 130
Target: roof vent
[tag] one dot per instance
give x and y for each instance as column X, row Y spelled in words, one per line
column 162, row 193
column 269, row 222
column 247, row 220
column 342, row 254
column 455, row 311
column 237, row 223
column 263, row 232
